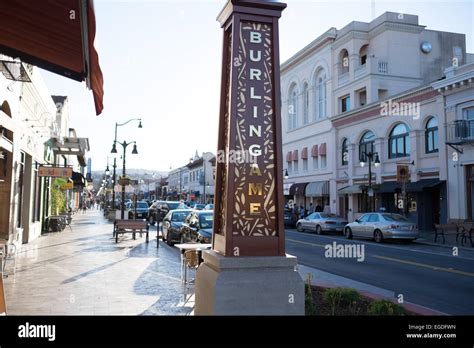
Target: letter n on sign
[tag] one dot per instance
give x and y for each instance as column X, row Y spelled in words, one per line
column 248, row 210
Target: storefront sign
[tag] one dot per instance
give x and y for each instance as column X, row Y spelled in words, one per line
column 67, row 186
column 249, row 201
column 55, row 172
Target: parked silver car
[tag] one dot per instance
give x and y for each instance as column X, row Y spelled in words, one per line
column 321, row 222
column 380, row 226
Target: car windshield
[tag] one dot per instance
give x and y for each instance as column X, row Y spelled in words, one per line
column 327, row 216
column 205, row 220
column 394, row 217
column 142, row 205
column 179, row 216
column 174, row 206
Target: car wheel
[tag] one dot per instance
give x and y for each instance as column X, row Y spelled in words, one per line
column 319, row 230
column 299, row 228
column 348, row 233
column 169, row 242
column 378, row 236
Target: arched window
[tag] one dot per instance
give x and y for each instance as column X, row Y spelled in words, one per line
column 293, row 107
column 366, row 145
column 345, row 152
column 305, row 104
column 399, row 142
column 431, row 135
column 320, row 95
column 6, row 108
column 344, row 61
column 363, row 54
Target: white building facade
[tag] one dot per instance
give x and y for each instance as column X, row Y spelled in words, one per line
column 346, row 71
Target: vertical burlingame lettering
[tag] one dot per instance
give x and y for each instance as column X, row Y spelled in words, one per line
column 254, row 206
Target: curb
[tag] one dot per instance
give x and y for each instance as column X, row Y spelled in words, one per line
column 425, row 242
column 412, row 307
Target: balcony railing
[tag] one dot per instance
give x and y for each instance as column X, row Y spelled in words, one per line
column 383, row 67
column 460, row 132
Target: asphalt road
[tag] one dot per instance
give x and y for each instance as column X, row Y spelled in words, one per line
column 425, row 275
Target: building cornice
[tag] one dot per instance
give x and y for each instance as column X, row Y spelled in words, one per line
column 314, row 46
column 462, row 79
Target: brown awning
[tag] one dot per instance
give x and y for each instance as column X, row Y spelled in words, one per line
column 314, row 151
column 322, row 149
column 54, row 35
column 304, row 153
column 288, row 156
column 295, row 155
column 298, row 189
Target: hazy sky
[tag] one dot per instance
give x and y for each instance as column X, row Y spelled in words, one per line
column 161, row 62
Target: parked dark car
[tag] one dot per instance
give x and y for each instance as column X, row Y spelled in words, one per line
column 197, row 227
column 289, row 218
column 172, row 223
column 162, row 208
column 152, row 211
column 141, row 210
column 199, row 206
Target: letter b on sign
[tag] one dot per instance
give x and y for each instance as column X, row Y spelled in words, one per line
column 255, row 37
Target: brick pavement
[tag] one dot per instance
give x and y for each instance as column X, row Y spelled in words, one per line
column 83, row 272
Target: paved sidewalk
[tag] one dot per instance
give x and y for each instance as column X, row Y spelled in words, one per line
column 427, row 237
column 84, row 272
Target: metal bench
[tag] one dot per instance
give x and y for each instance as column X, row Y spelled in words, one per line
column 130, row 226
column 455, row 227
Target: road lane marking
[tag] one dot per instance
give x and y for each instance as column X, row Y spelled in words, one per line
column 434, row 268
column 370, row 243
column 307, row 243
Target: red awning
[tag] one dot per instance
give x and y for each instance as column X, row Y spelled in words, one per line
column 314, row 151
column 322, row 149
column 295, row 155
column 56, row 35
column 304, row 153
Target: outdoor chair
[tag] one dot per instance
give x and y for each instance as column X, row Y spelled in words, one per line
column 8, row 251
column 191, row 261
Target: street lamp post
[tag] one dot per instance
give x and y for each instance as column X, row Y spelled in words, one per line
column 115, row 159
column 204, row 179
column 370, row 156
column 134, row 152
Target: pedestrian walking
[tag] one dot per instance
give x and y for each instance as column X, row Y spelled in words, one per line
column 84, row 207
column 311, row 208
column 302, row 212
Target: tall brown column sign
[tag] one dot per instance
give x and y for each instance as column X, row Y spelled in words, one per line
column 247, row 272
column 249, row 199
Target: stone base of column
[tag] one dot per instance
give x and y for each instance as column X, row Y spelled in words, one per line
column 261, row 285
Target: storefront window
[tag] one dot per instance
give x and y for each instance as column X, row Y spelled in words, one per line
column 431, row 136
column 399, row 142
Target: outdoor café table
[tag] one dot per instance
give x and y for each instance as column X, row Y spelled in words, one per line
column 189, row 246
